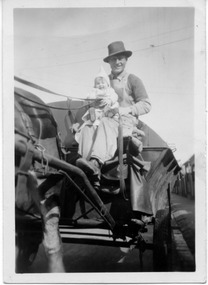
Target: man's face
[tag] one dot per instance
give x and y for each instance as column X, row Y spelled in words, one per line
column 118, row 63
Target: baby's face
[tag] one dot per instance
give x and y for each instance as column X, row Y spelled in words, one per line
column 101, row 83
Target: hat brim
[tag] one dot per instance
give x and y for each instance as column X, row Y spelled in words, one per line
column 127, row 53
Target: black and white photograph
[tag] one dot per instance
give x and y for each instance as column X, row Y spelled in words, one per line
column 104, row 142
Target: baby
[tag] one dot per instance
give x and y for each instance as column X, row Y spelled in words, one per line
column 106, row 100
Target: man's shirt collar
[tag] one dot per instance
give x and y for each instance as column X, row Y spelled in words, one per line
column 119, row 77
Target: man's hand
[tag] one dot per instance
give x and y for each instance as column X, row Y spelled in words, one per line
column 124, row 110
column 75, row 127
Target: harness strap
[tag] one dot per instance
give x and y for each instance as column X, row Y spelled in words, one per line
column 26, row 161
column 38, row 87
column 23, row 198
column 44, row 169
column 26, row 121
column 21, row 134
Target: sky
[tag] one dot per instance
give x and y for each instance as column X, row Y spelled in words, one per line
column 62, row 49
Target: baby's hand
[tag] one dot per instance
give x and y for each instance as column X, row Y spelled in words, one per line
column 100, row 98
column 107, row 101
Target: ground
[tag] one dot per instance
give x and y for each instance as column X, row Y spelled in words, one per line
column 97, row 258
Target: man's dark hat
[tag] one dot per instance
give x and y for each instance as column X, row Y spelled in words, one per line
column 116, row 48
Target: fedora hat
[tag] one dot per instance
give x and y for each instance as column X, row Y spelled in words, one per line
column 116, row 48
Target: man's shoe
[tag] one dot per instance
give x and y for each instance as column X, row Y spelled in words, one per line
column 87, row 166
column 96, row 183
column 148, row 219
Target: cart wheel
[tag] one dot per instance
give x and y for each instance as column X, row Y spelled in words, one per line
column 162, row 241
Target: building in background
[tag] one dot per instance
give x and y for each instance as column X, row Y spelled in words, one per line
column 185, row 183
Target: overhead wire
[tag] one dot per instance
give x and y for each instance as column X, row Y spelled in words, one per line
column 98, row 58
column 101, row 48
column 66, row 96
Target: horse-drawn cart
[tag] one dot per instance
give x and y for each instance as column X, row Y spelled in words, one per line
column 56, row 202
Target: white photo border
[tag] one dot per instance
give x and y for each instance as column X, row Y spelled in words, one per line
column 199, row 276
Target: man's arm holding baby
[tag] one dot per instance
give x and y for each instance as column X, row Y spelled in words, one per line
column 142, row 103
